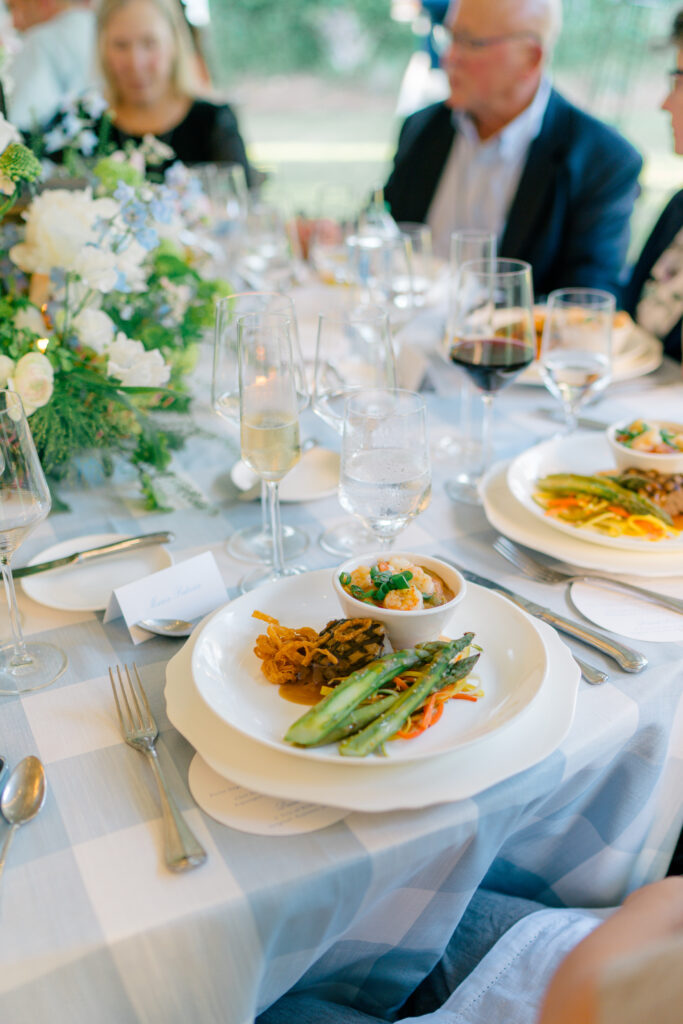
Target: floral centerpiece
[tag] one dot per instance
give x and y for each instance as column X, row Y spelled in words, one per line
column 101, row 311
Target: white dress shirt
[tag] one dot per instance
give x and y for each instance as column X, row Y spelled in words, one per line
column 480, row 179
column 54, row 63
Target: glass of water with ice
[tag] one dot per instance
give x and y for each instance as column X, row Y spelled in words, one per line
column 576, row 349
column 385, row 477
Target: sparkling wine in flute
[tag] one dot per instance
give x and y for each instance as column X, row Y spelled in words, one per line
column 270, row 444
column 491, row 363
column 574, row 376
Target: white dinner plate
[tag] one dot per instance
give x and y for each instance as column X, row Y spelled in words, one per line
column 513, row 520
column 228, row 676
column 87, row 587
column 316, row 475
column 640, row 353
column 584, row 453
column 456, row 776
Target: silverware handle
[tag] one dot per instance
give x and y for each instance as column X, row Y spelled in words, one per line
column 590, row 673
column 626, row 657
column 182, row 850
column 6, row 845
column 675, row 604
column 124, row 545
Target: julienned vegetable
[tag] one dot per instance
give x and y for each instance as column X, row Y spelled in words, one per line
column 389, row 723
column 317, row 723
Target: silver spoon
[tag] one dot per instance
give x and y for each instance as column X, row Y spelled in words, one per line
column 22, row 798
column 168, row 627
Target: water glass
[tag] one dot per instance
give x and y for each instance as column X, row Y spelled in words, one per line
column 385, row 477
column 576, row 349
column 24, row 503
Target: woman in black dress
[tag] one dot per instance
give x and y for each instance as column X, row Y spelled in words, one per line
column 145, row 53
column 654, row 295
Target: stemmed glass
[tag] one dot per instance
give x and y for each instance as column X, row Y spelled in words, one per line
column 576, row 350
column 381, row 271
column 493, row 340
column 253, row 543
column 465, row 245
column 269, row 418
column 353, row 351
column 24, row 503
column 385, row 477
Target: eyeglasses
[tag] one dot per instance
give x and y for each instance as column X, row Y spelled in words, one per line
column 444, row 38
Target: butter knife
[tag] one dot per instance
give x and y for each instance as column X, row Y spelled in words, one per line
column 625, row 657
column 78, row 557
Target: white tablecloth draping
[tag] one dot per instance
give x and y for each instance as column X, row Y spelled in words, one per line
column 93, row 928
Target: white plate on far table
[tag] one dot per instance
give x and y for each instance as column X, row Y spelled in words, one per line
column 512, row 519
column 87, row 587
column 585, row 454
column 227, row 674
column 456, row 776
column 316, row 475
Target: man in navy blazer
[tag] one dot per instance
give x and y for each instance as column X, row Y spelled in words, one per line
column 508, row 153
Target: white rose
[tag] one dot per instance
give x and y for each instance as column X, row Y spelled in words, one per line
column 30, row 319
column 33, row 381
column 135, row 367
column 59, row 224
column 94, row 328
column 97, row 269
column 6, row 367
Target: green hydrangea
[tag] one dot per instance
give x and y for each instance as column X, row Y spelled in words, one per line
column 19, row 164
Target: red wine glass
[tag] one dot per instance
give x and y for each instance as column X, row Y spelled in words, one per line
column 493, row 339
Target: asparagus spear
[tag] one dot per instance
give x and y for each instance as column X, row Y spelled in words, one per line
column 320, row 720
column 358, row 719
column 384, row 727
column 602, row 487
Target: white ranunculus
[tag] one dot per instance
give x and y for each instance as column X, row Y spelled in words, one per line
column 32, row 380
column 30, row 319
column 59, row 224
column 135, row 367
column 94, row 328
column 6, row 368
column 97, row 268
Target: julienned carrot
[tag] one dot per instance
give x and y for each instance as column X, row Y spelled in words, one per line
column 617, row 510
column 563, row 502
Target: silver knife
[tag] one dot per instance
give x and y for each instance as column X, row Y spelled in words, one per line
column 626, row 657
column 78, row 557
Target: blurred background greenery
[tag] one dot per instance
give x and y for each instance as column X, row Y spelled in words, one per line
column 321, row 86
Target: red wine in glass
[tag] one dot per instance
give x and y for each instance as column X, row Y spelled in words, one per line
column 492, row 363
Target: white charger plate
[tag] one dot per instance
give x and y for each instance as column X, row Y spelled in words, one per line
column 579, row 453
column 87, row 587
column 228, row 676
column 315, row 476
column 458, row 775
column 512, row 519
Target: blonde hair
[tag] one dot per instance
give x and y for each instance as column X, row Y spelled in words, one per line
column 183, row 77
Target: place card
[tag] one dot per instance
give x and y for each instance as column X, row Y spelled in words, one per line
column 629, row 615
column 187, row 590
column 246, row 811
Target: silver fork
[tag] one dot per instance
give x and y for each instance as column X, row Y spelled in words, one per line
column 543, row 573
column 182, row 850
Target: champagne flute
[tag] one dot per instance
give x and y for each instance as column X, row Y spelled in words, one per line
column 253, row 543
column 465, row 245
column 385, row 475
column 493, row 340
column 24, row 503
column 269, row 418
column 353, row 351
column 576, row 350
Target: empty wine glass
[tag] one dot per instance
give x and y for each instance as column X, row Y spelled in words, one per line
column 24, row 503
column 267, row 249
column 379, row 267
column 423, row 266
column 576, row 350
column 269, row 418
column 385, row 477
column 493, row 340
column 353, row 351
column 253, row 543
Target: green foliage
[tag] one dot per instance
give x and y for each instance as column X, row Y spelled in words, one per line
column 18, row 163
